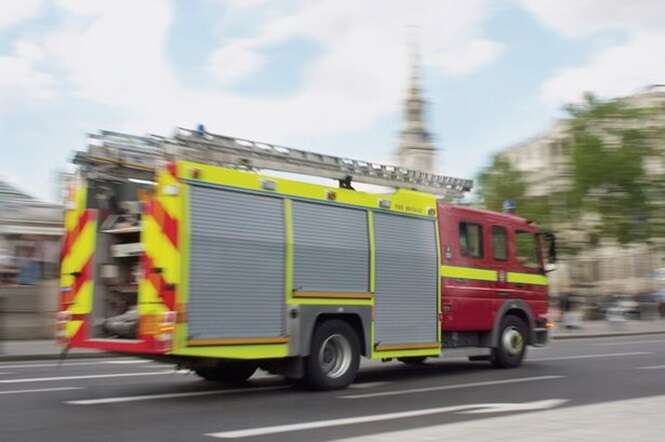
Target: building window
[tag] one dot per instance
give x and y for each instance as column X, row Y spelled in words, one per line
column 471, row 240
column 527, row 249
column 499, row 243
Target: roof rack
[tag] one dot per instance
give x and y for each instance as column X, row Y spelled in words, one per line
column 149, row 152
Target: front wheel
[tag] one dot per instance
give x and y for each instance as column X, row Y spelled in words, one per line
column 334, row 356
column 511, row 347
column 231, row 372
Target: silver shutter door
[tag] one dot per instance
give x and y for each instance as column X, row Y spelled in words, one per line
column 331, row 250
column 406, row 286
column 236, row 266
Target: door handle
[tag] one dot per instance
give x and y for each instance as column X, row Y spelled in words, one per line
column 500, row 293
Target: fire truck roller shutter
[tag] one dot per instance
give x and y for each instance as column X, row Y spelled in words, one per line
column 236, row 266
column 331, row 248
column 406, row 279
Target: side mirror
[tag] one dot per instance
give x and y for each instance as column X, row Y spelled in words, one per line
column 550, row 241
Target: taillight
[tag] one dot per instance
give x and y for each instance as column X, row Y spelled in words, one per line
column 62, row 318
column 166, row 330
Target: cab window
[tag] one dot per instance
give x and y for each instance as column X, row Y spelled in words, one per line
column 471, row 240
column 527, row 249
column 499, row 243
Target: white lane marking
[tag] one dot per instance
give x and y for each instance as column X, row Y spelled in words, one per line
column 88, row 376
column 450, row 387
column 148, row 397
column 639, row 419
column 653, row 341
column 601, row 355
column 6, row 372
column 492, row 408
column 130, row 361
column 39, row 390
column 368, row 385
column 523, row 406
column 56, row 364
column 652, row 367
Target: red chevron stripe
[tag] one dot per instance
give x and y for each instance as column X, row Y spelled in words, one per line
column 172, row 168
column 165, row 290
column 72, row 235
column 84, row 275
column 168, row 224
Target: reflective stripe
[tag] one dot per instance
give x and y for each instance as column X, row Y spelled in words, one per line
column 526, row 278
column 468, row 273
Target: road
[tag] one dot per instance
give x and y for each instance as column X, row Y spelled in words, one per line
column 584, row 389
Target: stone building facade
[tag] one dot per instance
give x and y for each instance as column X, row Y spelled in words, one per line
column 608, row 268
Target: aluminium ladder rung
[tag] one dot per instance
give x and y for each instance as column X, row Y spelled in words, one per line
column 195, row 145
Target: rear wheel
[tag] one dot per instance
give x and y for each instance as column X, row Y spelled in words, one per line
column 511, row 348
column 334, row 356
column 232, row 372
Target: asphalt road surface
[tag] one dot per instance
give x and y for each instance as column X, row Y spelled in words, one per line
column 586, row 389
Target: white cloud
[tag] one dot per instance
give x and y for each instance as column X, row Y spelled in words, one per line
column 361, row 71
column 234, row 60
column 615, row 70
column 13, row 12
column 117, row 59
column 585, row 17
column 466, row 59
column 28, row 50
column 21, row 81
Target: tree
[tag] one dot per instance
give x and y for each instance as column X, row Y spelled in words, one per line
column 608, row 148
column 610, row 194
column 500, row 182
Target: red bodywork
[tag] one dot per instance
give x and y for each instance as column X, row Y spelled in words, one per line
column 472, row 304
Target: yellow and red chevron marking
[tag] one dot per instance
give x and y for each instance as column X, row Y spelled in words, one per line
column 77, row 262
column 161, row 255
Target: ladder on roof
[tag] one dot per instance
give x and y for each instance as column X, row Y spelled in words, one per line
column 149, row 152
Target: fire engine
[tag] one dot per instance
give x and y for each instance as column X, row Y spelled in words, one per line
column 183, row 249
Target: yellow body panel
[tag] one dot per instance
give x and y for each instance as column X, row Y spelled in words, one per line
column 402, row 201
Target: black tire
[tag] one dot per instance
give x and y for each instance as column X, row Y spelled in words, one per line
column 512, row 342
column 230, row 372
column 413, row 360
column 334, row 356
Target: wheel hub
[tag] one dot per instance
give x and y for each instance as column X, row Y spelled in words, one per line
column 512, row 340
column 335, row 356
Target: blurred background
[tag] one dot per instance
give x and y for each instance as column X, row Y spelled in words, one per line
column 556, row 106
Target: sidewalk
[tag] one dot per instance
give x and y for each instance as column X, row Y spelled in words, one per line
column 601, row 328
column 45, row 349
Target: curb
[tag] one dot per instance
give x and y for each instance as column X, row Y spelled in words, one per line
column 606, row 334
column 56, row 356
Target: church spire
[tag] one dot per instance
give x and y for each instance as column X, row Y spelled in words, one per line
column 415, row 148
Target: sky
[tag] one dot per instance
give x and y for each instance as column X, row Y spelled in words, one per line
column 326, row 75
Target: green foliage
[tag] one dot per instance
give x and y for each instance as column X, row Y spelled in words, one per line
column 500, row 182
column 606, row 151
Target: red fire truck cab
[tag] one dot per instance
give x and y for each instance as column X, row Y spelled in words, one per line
column 494, row 288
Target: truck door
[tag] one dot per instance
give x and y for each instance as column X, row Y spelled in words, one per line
column 468, row 279
column 526, row 279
